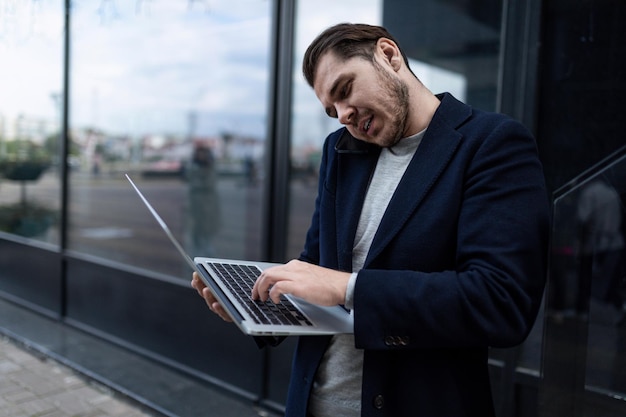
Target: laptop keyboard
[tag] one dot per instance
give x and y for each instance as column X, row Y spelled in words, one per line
column 240, row 279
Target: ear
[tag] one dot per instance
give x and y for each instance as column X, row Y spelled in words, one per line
column 390, row 53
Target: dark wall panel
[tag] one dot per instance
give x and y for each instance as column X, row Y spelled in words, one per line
column 166, row 319
column 31, row 275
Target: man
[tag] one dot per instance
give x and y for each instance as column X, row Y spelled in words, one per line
column 431, row 223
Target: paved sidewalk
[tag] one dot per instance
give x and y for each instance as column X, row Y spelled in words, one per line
column 32, row 385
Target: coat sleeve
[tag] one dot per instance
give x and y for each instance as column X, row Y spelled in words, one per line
column 489, row 217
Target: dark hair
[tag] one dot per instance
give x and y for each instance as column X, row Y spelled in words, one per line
column 346, row 40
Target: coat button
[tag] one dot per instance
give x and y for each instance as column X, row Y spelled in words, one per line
column 379, row 402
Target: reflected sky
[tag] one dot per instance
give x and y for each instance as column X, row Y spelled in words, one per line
column 146, row 66
column 148, row 71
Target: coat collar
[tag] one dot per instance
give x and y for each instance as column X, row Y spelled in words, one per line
column 356, row 163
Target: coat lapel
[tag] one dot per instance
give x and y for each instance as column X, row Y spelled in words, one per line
column 431, row 158
column 354, row 170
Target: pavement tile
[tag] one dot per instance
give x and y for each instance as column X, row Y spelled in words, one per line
column 36, row 408
column 32, row 385
column 7, row 366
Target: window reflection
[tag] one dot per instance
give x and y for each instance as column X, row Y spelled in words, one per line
column 153, row 86
column 309, row 123
column 462, row 60
column 31, row 47
column 600, row 213
column 588, row 275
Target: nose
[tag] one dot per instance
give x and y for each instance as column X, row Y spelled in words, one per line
column 345, row 113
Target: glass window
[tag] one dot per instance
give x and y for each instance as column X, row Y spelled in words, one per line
column 174, row 94
column 602, row 272
column 31, row 47
column 587, row 289
column 462, row 60
column 580, row 126
column 309, row 123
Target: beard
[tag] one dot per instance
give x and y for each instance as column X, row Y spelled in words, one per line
column 397, row 98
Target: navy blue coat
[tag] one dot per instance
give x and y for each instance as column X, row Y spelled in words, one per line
column 458, row 263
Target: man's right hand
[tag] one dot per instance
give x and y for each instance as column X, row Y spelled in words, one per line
column 205, row 293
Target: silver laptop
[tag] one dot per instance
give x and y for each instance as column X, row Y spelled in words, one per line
column 231, row 283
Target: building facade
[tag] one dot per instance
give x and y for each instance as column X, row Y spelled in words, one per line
column 93, row 89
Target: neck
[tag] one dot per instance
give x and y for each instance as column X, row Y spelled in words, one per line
column 423, row 105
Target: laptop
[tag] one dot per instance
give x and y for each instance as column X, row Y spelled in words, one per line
column 230, row 281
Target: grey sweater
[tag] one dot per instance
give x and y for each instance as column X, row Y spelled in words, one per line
column 337, row 387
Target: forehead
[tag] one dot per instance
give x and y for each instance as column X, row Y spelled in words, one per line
column 326, row 66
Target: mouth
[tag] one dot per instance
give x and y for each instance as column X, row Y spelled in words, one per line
column 367, row 125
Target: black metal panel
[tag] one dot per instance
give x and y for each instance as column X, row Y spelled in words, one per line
column 582, row 85
column 31, row 275
column 519, row 60
column 276, row 186
column 165, row 320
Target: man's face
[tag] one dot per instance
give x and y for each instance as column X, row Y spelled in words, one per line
column 369, row 98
